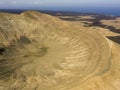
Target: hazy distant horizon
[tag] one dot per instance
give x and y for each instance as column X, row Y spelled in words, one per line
column 109, row 7
column 59, row 3
column 100, row 10
column 115, row 11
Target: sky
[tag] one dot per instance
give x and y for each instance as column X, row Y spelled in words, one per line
column 17, row 4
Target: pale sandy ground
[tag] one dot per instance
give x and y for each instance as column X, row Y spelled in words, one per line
column 115, row 23
column 111, row 79
column 86, row 17
column 61, row 55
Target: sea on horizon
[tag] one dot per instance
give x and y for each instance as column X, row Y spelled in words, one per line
column 104, row 11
